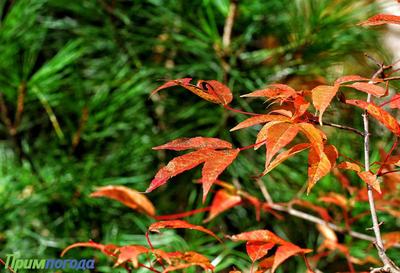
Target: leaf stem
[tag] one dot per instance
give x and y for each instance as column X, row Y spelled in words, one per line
column 240, row 111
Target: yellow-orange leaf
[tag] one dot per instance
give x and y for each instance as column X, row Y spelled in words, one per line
column 322, row 96
column 369, row 88
column 259, row 120
column 346, row 165
column 286, row 251
column 181, row 144
column 318, row 166
column 128, row 197
column 130, row 253
column 261, row 235
column 351, row 78
column 371, row 180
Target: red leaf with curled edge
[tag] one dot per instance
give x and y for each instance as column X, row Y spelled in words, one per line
column 273, row 91
column 174, row 224
column 223, row 200
column 261, row 235
column 181, row 144
column 130, row 254
column 109, row 249
column 378, row 113
column 212, row 91
column 322, row 96
column 286, row 251
column 395, row 102
column 128, row 197
column 370, row 179
column 215, row 164
column 258, row 120
column 368, row 88
column 351, row 78
column 256, row 250
column 319, row 165
column 285, row 155
column 178, row 165
column 188, row 259
column 278, row 136
column 381, row 19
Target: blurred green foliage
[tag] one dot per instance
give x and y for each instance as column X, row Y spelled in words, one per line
column 87, row 68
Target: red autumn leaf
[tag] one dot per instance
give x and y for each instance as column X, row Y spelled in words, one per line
column 285, row 155
column 393, row 159
column 261, row 235
column 174, row 224
column 273, row 91
column 286, row 251
column 181, row 144
column 262, row 134
column 349, row 166
column 258, row 120
column 188, row 259
column 300, row 106
column 395, row 102
column 256, row 250
column 106, row 249
column 351, row 78
column 212, row 91
column 128, row 197
column 378, row 113
column 278, row 136
column 391, row 239
column 266, row 263
column 130, row 253
column 215, row 164
column 371, row 180
column 178, row 165
column 332, row 154
column 381, row 19
column 322, row 96
column 335, row 198
column 369, row 88
column 223, row 200
column 318, row 166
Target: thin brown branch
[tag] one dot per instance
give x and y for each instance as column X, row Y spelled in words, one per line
column 226, row 38
column 344, row 127
column 4, row 113
column 20, row 107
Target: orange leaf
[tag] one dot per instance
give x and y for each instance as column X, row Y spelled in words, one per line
column 346, row 165
column 215, row 164
column 381, row 19
column 256, row 250
column 222, row 201
column 395, row 102
column 286, row 251
column 178, row 165
column 350, row 78
column 273, row 91
column 130, row 253
column 322, row 96
column 219, row 90
column 381, row 115
column 314, row 135
column 261, row 235
column 188, row 259
column 369, row 88
column 266, row 263
column 181, row 144
column 285, row 155
column 318, row 166
column 332, row 153
column 371, row 180
column 259, row 119
column 262, row 134
column 128, row 197
column 106, row 249
column 155, row 227
column 391, row 239
column 278, row 137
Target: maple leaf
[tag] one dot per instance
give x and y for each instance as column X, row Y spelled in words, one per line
column 212, row 91
column 181, row 144
column 285, row 155
column 259, row 119
column 286, row 251
column 278, row 136
column 368, row 88
column 378, row 113
column 381, row 19
column 174, row 224
column 322, row 96
column 223, row 200
column 130, row 253
column 319, row 165
column 126, row 196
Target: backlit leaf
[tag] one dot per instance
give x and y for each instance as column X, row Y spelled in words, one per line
column 273, row 91
column 265, row 236
column 256, row 249
column 322, row 96
column 369, row 88
column 174, row 224
column 381, row 19
column 130, row 253
column 223, row 200
column 318, row 166
column 258, row 120
column 106, row 249
column 286, row 251
column 371, row 180
column 378, row 113
column 128, row 197
column 195, row 143
column 346, row 165
column 351, row 78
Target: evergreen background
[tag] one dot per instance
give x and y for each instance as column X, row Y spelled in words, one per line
column 87, row 68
